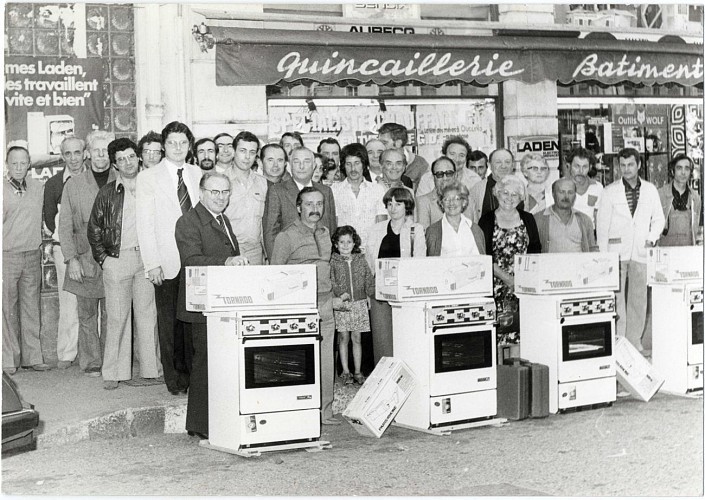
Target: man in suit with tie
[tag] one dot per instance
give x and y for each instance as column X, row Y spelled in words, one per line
column 280, row 205
column 204, row 238
column 630, row 220
column 164, row 193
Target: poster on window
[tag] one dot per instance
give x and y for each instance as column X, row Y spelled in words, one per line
column 48, row 98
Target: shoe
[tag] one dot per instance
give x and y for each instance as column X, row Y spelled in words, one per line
column 359, row 378
column 331, row 421
column 10, row 371
column 178, row 392
column 346, row 378
column 109, row 385
column 197, row 434
column 92, row 371
column 40, row 367
column 62, row 365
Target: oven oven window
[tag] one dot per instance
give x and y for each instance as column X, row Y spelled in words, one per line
column 462, row 351
column 587, row 340
column 279, row 366
column 697, row 327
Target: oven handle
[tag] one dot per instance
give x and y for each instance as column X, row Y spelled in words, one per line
column 270, row 337
column 601, row 316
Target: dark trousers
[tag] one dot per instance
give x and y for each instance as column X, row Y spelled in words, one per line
column 381, row 325
column 197, row 410
column 174, row 336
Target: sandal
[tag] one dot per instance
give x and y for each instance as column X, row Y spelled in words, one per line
column 360, row 378
column 346, row 378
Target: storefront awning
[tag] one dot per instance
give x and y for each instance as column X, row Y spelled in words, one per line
column 268, row 57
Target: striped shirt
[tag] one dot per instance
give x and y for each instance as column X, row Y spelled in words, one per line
column 632, row 194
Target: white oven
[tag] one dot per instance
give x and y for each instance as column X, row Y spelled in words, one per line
column 451, row 349
column 677, row 335
column 264, row 380
column 573, row 334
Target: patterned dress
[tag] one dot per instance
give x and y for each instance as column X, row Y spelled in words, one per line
column 506, row 243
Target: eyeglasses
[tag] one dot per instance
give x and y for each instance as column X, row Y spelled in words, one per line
column 448, row 199
column 174, row 144
column 218, row 192
column 441, row 175
column 509, row 194
column 152, row 152
column 537, row 169
column 125, row 159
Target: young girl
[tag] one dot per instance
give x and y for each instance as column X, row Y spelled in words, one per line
column 353, row 282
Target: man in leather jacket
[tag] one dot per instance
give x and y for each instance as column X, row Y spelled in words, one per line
column 112, row 234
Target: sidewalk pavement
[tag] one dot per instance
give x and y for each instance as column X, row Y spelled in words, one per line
column 73, row 407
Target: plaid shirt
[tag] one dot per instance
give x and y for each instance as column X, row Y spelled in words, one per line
column 632, row 194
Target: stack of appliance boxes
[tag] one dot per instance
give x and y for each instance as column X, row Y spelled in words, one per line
column 443, row 329
column 263, row 356
column 567, row 315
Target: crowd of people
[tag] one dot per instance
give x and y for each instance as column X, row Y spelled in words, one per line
column 126, row 219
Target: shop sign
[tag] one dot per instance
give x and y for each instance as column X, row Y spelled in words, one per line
column 258, row 64
column 381, row 11
column 48, row 98
column 388, row 30
column 545, row 145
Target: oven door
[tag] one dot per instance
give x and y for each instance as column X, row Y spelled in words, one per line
column 462, row 359
column 586, row 347
column 695, row 331
column 279, row 374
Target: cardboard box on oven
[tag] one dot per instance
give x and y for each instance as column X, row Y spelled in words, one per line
column 634, row 371
column 380, row 398
column 674, row 264
column 565, row 272
column 228, row 288
column 409, row 279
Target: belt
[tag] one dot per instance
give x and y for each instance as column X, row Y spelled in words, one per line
column 56, row 243
column 131, row 249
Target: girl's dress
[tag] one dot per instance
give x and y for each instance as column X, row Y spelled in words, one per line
column 353, row 276
column 506, row 243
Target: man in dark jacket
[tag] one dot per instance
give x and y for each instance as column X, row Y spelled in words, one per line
column 204, row 237
column 112, row 234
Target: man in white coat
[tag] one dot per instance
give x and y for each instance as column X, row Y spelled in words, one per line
column 630, row 220
column 164, row 193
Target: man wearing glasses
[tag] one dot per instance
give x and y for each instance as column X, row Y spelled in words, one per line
column 225, row 152
column 280, row 206
column 204, row 237
column 481, row 198
column 428, row 207
column 112, row 234
column 457, row 149
column 165, row 193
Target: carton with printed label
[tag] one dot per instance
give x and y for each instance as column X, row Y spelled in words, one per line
column 225, row 288
column 565, row 272
column 380, row 398
column 409, row 279
column 634, row 371
column 674, row 264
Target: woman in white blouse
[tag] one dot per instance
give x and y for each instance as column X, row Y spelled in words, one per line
column 454, row 235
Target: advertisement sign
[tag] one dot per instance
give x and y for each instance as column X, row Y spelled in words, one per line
column 545, row 145
column 381, row 11
column 48, row 98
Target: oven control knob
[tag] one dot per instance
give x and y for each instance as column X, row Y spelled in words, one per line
column 250, row 328
column 275, row 327
column 439, row 317
column 460, row 315
column 490, row 314
column 294, row 326
column 475, row 314
column 312, row 325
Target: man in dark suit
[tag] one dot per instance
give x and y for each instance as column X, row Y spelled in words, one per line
column 280, row 206
column 204, row 237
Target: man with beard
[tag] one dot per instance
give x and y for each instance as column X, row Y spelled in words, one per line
column 457, row 149
column 561, row 228
column 307, row 241
column 280, row 206
column 206, row 152
column 84, row 277
column 165, row 193
column 481, row 198
column 587, row 190
column 73, row 152
column 248, row 192
column 226, row 153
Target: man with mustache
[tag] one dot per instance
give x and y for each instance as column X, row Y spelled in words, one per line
column 307, row 241
column 561, row 228
column 206, row 152
column 587, row 191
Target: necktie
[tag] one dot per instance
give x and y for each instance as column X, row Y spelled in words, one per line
column 221, row 222
column 182, row 193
